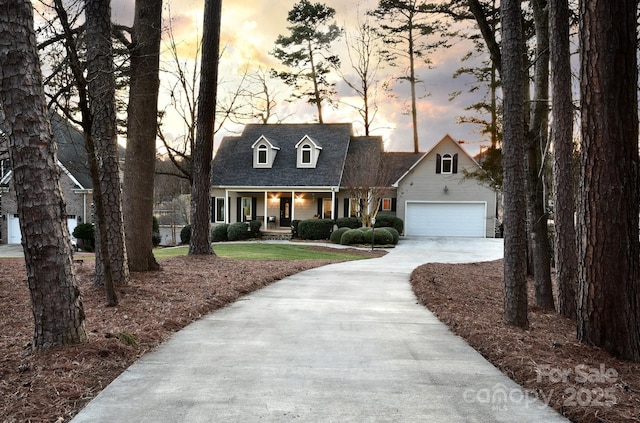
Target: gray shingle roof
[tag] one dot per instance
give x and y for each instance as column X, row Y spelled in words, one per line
column 233, row 162
column 71, row 150
column 400, row 162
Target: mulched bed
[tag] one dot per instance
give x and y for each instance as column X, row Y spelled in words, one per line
column 582, row 382
column 53, row 385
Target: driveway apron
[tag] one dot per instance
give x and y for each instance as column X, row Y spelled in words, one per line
column 343, row 343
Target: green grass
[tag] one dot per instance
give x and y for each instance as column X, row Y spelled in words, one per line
column 261, row 251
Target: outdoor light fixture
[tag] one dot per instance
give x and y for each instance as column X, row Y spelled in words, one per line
column 446, row 190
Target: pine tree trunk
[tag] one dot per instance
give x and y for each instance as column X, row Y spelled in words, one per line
column 608, row 248
column 539, row 128
column 515, row 234
column 562, row 132
column 203, row 152
column 142, row 128
column 55, row 297
column 101, row 88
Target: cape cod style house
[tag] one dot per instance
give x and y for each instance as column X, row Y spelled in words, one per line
column 280, row 172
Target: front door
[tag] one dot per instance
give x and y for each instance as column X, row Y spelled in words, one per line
column 285, row 211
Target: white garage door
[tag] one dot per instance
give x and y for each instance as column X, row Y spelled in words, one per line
column 446, row 219
column 13, row 230
column 14, row 235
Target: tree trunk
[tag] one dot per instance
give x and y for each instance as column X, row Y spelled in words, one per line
column 413, row 82
column 101, row 87
column 142, row 127
column 203, row 152
column 118, row 262
column 55, row 297
column 562, row 133
column 538, row 137
column 608, row 248
column 515, row 236
column 316, row 89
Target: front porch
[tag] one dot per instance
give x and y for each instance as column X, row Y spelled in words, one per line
column 275, row 208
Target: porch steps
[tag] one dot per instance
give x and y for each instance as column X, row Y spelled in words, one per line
column 276, row 235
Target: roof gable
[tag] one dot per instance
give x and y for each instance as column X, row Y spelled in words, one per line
column 447, row 139
column 266, row 141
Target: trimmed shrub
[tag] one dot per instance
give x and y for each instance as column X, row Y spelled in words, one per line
column 366, row 232
column 185, row 235
column 394, row 233
column 86, row 233
column 388, row 220
column 349, row 222
column 238, row 231
column 381, row 236
column 254, row 228
column 315, row 229
column 294, row 228
column 219, row 233
column 336, row 235
column 351, row 237
column 155, row 236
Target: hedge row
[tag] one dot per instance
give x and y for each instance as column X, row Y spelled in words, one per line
column 313, row 229
column 379, row 236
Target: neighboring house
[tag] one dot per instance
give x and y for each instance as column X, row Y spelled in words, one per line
column 75, row 181
column 280, row 172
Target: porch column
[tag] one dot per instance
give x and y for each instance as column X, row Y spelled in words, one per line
column 265, row 219
column 227, row 206
column 293, row 205
column 333, row 204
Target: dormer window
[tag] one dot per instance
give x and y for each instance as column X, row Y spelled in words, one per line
column 308, row 152
column 447, row 163
column 264, row 153
column 305, row 152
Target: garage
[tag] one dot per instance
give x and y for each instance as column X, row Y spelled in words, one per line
column 14, row 236
column 455, row 219
column 13, row 230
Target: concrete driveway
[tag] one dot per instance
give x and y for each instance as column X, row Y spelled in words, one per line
column 11, row 250
column 342, row 343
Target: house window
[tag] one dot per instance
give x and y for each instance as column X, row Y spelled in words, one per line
column 219, row 210
column 247, row 211
column 305, row 152
column 447, row 163
column 386, row 204
column 262, row 154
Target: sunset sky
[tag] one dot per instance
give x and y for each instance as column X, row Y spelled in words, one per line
column 249, row 30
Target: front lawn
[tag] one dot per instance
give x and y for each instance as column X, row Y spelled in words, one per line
column 265, row 251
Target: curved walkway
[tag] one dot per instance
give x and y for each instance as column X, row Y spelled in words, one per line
column 342, row 343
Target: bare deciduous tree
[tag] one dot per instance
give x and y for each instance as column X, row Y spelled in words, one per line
column 363, row 50
column 367, row 176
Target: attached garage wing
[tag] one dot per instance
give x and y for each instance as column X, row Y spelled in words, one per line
column 455, row 219
column 14, row 235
